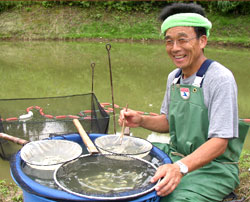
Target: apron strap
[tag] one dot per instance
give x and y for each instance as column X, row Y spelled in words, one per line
column 177, row 77
column 199, row 75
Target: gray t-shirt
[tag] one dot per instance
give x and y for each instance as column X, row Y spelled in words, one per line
column 220, row 97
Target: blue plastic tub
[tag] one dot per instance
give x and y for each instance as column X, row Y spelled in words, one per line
column 36, row 192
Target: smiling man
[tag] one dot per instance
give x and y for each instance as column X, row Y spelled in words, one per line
column 199, row 111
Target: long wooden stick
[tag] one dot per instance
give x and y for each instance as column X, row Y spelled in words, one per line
column 87, row 141
column 13, row 139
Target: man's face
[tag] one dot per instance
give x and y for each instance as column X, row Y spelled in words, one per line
column 183, row 47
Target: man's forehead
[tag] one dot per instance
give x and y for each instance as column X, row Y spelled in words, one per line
column 179, row 31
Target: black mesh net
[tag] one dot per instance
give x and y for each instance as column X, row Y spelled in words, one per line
column 38, row 118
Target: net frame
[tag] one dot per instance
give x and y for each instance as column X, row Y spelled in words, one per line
column 108, row 196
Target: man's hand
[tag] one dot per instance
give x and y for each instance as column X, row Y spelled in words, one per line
column 170, row 173
column 132, row 118
column 171, row 177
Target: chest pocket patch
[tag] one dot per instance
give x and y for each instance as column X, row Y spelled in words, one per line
column 185, row 93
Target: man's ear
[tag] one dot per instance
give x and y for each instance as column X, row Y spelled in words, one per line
column 203, row 41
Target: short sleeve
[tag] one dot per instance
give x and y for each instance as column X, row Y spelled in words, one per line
column 220, row 93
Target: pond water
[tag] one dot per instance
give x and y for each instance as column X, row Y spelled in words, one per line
column 139, row 72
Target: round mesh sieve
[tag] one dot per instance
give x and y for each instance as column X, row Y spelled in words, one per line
column 46, row 153
column 101, row 177
column 133, row 146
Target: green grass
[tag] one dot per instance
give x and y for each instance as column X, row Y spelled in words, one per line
column 10, row 192
column 244, row 189
column 62, row 22
column 230, row 29
column 3, row 188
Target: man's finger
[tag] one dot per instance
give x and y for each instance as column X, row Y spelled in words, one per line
column 160, row 173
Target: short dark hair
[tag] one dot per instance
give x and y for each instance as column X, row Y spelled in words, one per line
column 184, row 8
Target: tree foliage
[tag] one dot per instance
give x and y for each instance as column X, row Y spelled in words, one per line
column 222, row 7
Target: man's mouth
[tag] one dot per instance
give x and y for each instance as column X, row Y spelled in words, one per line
column 179, row 56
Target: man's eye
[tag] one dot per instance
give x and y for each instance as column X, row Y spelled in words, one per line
column 169, row 41
column 182, row 40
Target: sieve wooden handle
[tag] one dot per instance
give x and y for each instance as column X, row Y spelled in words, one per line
column 87, row 141
column 13, row 139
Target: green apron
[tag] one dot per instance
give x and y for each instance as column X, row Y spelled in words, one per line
column 188, row 122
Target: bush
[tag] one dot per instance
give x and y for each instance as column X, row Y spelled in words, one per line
column 227, row 7
column 222, row 7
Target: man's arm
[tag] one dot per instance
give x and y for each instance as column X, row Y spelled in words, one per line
column 201, row 156
column 134, row 119
column 155, row 123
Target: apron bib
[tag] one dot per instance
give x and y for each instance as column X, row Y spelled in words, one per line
column 188, row 123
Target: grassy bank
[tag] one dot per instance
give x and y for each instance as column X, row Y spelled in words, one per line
column 35, row 22
column 244, row 188
column 10, row 192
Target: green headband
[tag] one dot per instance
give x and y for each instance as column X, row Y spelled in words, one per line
column 186, row 19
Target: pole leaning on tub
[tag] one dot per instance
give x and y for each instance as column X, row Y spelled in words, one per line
column 87, row 141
